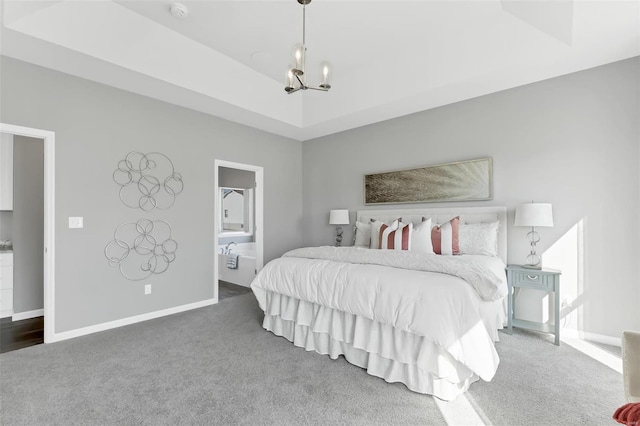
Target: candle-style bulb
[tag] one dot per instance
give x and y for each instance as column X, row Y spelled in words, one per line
column 326, row 76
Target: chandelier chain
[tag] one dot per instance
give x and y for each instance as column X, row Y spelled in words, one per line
column 304, row 25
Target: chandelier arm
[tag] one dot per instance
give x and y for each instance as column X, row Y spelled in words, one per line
column 318, row 88
column 300, row 81
column 293, row 91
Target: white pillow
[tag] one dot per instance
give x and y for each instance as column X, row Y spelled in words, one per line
column 375, row 231
column 363, row 235
column 421, row 237
column 479, row 238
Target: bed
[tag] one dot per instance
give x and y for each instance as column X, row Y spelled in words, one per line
column 429, row 321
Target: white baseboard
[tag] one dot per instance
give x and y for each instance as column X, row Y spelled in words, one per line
column 57, row 337
column 593, row 337
column 27, row 315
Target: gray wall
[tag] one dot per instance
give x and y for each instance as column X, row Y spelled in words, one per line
column 6, row 222
column 96, row 126
column 28, row 224
column 572, row 141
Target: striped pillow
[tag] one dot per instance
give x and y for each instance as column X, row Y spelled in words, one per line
column 446, row 237
column 378, row 228
column 399, row 239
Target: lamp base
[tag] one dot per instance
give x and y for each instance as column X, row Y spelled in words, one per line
column 533, row 260
column 338, row 236
column 538, row 267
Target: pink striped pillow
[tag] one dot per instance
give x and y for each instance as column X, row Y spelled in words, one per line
column 446, row 237
column 378, row 228
column 399, row 239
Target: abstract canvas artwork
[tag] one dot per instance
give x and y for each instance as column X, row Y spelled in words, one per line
column 460, row 181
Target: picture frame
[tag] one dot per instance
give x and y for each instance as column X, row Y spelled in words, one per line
column 470, row 180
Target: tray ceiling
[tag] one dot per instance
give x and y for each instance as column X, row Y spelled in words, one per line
column 390, row 58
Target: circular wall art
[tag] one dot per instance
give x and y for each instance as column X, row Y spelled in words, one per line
column 147, row 181
column 141, row 249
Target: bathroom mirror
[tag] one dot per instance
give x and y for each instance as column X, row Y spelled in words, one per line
column 236, row 212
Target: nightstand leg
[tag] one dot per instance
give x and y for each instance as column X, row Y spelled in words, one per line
column 510, row 309
column 557, row 325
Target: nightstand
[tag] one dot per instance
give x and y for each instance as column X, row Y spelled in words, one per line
column 539, row 279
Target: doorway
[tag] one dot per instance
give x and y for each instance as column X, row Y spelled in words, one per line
column 238, row 222
column 42, row 252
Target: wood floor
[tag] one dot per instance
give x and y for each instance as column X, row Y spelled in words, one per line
column 20, row 334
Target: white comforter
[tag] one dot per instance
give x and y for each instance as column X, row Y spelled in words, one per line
column 399, row 289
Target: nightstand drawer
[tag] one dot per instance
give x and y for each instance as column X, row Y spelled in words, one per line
column 547, row 280
column 534, row 280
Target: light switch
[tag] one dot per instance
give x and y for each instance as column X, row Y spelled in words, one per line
column 76, row 222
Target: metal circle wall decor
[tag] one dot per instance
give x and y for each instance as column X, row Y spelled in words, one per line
column 147, row 181
column 141, row 249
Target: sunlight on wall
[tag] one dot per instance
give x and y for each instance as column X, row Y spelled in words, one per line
column 567, row 255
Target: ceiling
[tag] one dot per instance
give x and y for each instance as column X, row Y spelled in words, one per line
column 389, row 58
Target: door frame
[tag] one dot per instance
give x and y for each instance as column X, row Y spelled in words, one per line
column 258, row 218
column 49, row 139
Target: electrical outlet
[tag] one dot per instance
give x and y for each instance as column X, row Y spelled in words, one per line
column 147, row 289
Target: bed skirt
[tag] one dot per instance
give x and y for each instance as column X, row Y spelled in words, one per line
column 384, row 351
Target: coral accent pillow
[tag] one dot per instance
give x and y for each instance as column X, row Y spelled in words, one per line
column 446, row 237
column 628, row 414
column 399, row 239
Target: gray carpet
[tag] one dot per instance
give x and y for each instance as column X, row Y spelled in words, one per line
column 226, row 290
column 216, row 365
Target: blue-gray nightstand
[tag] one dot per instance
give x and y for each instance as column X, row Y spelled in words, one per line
column 540, row 279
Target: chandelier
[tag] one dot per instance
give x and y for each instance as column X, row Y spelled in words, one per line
column 296, row 77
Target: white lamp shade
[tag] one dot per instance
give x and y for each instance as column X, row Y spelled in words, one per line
column 339, row 217
column 534, row 214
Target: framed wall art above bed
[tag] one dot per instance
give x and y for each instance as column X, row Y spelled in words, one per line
column 459, row 181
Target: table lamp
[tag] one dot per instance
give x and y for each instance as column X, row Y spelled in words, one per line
column 339, row 217
column 533, row 214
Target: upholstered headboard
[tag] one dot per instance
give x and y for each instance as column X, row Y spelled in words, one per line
column 443, row 214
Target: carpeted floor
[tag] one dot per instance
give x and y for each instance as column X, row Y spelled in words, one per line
column 226, row 290
column 216, row 365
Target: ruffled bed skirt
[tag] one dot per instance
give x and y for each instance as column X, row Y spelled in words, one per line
column 391, row 354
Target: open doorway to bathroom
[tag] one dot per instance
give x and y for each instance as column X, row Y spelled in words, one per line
column 26, row 200
column 238, row 219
